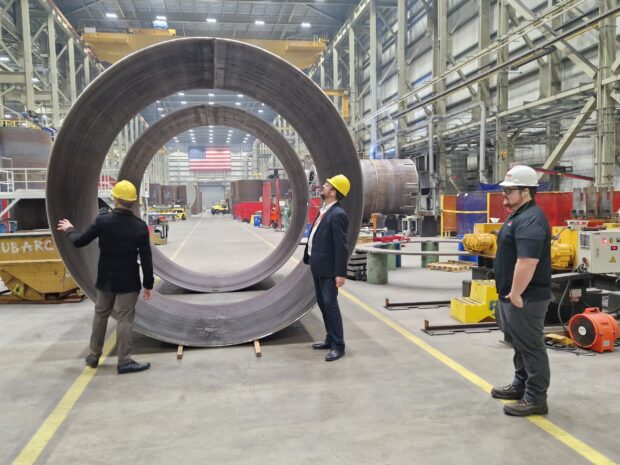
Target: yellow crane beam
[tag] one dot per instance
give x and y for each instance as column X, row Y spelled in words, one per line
column 112, row 46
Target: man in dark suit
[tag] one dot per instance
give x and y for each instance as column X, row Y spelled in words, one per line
column 122, row 238
column 327, row 254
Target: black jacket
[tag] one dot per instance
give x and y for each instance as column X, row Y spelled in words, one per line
column 330, row 252
column 122, row 236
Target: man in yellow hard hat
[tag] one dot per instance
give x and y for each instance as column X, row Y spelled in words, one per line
column 327, row 254
column 122, row 237
column 522, row 269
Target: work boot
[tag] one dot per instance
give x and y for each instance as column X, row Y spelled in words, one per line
column 510, row 392
column 132, row 367
column 92, row 361
column 321, row 346
column 523, row 408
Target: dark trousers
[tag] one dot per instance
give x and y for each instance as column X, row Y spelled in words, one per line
column 126, row 307
column 327, row 298
column 525, row 327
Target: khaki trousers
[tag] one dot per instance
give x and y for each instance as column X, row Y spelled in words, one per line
column 126, row 310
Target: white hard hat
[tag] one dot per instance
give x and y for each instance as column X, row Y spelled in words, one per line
column 520, row 176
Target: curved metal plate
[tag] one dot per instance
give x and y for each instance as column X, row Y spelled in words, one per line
column 143, row 150
column 116, row 96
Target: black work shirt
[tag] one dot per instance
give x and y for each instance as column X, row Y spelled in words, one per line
column 525, row 234
column 122, row 236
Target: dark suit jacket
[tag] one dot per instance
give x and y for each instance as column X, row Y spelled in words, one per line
column 330, row 252
column 122, row 237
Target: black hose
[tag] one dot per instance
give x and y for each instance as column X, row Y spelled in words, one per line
column 560, row 306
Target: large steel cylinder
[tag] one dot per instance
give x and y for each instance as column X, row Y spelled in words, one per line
column 27, row 148
column 127, row 87
column 154, row 194
column 390, row 186
column 144, row 149
column 248, row 190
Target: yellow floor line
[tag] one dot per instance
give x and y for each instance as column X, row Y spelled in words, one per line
column 174, row 255
column 30, row 453
column 46, row 431
column 549, row 427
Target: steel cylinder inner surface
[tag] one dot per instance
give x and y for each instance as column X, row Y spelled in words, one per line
column 120, row 93
column 143, row 150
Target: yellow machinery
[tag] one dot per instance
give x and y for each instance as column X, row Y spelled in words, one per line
column 479, row 306
column 180, row 211
column 31, row 268
column 158, row 229
column 220, row 208
column 564, row 243
column 344, row 110
column 483, row 241
column 112, row 46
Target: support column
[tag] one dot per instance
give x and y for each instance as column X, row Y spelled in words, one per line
column 373, row 74
column 439, row 26
column 504, row 155
column 335, row 75
column 71, row 58
column 606, row 124
column 551, row 84
column 484, row 92
column 53, row 76
column 27, row 54
column 322, row 75
column 86, row 70
column 401, row 61
column 132, row 133
column 352, row 77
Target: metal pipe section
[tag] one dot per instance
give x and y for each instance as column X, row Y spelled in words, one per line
column 144, row 149
column 390, row 186
column 153, row 73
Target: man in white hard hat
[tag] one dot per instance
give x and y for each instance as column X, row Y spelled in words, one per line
column 522, row 270
column 327, row 254
column 122, row 237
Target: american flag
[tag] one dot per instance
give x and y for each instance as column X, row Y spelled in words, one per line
column 209, row 159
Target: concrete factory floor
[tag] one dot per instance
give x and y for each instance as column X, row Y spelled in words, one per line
column 398, row 397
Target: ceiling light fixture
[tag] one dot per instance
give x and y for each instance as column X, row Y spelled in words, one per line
column 259, row 22
column 305, row 24
column 211, row 20
column 183, row 102
column 111, row 15
column 238, row 104
column 160, row 18
column 181, row 94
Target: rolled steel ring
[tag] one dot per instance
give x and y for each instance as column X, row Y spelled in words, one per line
column 143, row 150
column 120, row 93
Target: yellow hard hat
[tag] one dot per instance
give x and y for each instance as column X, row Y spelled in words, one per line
column 125, row 190
column 340, row 183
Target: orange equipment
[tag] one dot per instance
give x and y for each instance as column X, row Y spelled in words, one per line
column 594, row 330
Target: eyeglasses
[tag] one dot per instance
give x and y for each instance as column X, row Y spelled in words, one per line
column 508, row 190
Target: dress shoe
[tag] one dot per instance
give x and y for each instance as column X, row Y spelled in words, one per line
column 334, row 354
column 510, row 392
column 132, row 367
column 523, row 408
column 92, row 361
column 321, row 346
